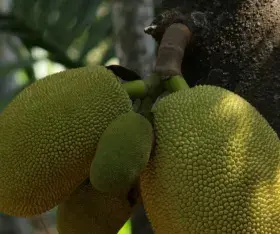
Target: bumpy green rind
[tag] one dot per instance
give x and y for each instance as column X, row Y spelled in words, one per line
column 88, row 211
column 215, row 167
column 123, row 151
column 49, row 133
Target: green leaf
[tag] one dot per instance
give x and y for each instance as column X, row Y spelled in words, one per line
column 6, row 69
column 100, row 29
column 108, row 54
column 126, row 229
column 68, row 29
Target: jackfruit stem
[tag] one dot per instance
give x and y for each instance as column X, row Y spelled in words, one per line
column 170, row 56
column 154, row 84
column 176, row 83
column 171, row 50
column 167, row 72
column 136, row 89
column 145, row 108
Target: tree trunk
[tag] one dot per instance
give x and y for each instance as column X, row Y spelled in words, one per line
column 134, row 48
column 236, row 45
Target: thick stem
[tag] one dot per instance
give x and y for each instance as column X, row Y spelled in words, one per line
column 154, row 84
column 171, row 50
column 136, row 89
column 170, row 56
column 167, row 71
column 176, row 83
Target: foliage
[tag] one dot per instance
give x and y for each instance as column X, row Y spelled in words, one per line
column 67, row 30
column 71, row 32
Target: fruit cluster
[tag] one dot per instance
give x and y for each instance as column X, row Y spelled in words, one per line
column 202, row 159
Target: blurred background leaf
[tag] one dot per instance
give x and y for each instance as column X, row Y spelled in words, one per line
column 67, row 29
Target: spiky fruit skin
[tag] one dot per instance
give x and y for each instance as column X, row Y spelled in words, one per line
column 216, row 166
column 122, row 153
column 88, row 211
column 49, row 133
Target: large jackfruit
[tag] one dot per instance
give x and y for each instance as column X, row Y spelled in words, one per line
column 216, row 167
column 122, row 152
column 88, row 211
column 49, row 133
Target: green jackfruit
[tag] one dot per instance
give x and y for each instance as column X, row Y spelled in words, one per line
column 122, row 152
column 49, row 133
column 88, row 211
column 216, row 166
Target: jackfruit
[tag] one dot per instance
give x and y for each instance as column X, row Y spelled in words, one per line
column 122, row 152
column 88, row 211
column 49, row 133
column 216, row 166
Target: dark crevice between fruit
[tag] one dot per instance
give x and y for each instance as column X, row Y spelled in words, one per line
column 134, row 195
column 124, row 73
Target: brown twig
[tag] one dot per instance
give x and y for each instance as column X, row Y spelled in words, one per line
column 171, row 50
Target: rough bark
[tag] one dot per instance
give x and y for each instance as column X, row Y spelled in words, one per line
column 236, row 45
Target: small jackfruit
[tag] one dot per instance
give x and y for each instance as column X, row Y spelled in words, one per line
column 216, row 166
column 88, row 211
column 49, row 133
column 122, row 152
